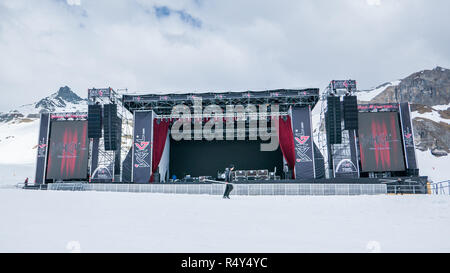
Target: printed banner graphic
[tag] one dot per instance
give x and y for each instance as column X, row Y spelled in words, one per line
column 68, row 151
column 304, row 157
column 42, row 149
column 380, row 142
column 408, row 137
column 142, row 146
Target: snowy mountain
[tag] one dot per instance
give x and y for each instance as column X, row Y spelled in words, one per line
column 426, row 87
column 368, row 95
column 19, row 127
column 64, row 100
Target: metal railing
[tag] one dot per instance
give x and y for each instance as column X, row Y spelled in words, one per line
column 407, row 189
column 71, row 186
column 440, row 188
column 239, row 189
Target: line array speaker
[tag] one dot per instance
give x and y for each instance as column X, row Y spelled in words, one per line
column 94, row 121
column 333, row 120
column 110, row 126
column 350, row 113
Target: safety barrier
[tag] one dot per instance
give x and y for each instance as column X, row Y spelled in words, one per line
column 239, row 189
column 440, row 188
column 407, row 189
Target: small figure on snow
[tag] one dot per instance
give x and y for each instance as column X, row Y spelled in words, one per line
column 399, row 186
column 229, row 186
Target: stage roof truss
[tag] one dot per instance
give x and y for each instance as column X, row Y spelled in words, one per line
column 163, row 104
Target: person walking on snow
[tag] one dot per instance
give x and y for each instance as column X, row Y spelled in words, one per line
column 229, row 186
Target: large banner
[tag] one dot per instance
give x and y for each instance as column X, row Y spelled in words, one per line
column 380, row 142
column 68, row 150
column 303, row 141
column 142, row 146
column 408, row 136
column 42, row 148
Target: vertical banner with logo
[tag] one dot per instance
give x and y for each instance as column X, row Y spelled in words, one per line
column 408, row 136
column 303, row 141
column 142, row 146
column 348, row 167
column 42, row 148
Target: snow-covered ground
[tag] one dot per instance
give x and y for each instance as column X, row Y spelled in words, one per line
column 18, row 142
column 46, row 221
column 11, row 174
column 436, row 168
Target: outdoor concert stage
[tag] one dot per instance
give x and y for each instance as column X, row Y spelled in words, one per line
column 182, row 143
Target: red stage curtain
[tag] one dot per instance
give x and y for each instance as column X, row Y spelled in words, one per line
column 160, row 130
column 286, row 139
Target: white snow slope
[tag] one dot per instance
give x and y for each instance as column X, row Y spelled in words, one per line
column 46, row 221
column 18, row 142
column 372, row 93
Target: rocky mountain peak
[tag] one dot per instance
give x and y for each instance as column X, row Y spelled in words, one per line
column 64, row 100
column 427, row 87
column 61, row 99
column 65, row 93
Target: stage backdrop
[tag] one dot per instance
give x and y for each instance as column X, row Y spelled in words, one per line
column 380, row 142
column 42, row 148
column 68, row 150
column 303, row 139
column 408, row 136
column 206, row 158
column 142, row 146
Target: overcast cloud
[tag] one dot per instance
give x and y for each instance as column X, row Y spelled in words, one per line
column 208, row 45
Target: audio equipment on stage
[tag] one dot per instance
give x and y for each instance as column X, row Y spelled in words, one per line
column 262, row 174
column 333, row 120
column 251, row 175
column 240, row 176
column 110, row 127
column 94, row 121
column 350, row 113
column 272, row 175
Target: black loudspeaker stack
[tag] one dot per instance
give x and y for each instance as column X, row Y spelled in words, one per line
column 95, row 121
column 333, row 120
column 110, row 126
column 350, row 113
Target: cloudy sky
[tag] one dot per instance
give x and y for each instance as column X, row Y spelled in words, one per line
column 207, row 45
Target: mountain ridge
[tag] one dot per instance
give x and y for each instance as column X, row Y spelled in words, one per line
column 62, row 100
column 426, row 87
